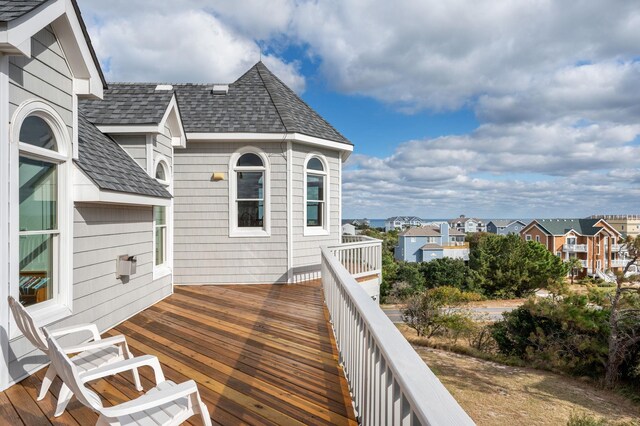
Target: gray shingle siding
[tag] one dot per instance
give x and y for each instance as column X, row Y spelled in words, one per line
column 110, row 167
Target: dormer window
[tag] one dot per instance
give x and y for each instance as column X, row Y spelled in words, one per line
column 162, row 172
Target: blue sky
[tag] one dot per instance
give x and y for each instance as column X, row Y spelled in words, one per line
column 483, row 108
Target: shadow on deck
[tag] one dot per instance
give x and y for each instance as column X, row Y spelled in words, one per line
column 261, row 354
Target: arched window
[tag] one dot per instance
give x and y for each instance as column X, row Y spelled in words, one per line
column 41, row 208
column 316, row 196
column 162, row 172
column 249, row 209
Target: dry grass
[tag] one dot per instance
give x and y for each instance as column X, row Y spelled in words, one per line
column 496, row 394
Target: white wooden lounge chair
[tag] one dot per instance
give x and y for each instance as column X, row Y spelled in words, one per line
column 166, row 404
column 90, row 355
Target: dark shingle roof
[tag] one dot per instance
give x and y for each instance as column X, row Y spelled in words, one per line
column 128, row 103
column 13, row 9
column 110, row 167
column 427, row 231
column 258, row 102
column 562, row 226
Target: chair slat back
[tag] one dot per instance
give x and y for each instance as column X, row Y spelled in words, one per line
column 25, row 323
column 68, row 372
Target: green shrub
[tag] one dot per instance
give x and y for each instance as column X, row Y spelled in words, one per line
column 566, row 334
column 585, row 420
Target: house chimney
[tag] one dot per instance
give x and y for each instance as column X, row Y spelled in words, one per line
column 444, row 233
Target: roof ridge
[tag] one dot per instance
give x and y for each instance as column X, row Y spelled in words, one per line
column 275, row 104
column 300, row 99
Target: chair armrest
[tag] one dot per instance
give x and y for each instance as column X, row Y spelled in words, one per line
column 97, row 344
column 152, row 399
column 92, row 328
column 125, row 365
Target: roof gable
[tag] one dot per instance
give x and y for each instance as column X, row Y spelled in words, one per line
column 558, row 227
column 23, row 19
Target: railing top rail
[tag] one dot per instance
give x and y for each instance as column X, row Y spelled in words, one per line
column 429, row 399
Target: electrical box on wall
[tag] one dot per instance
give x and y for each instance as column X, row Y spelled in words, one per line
column 126, row 265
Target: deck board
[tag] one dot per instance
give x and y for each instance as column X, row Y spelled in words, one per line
column 262, row 355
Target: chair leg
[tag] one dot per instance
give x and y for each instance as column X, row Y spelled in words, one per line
column 204, row 411
column 63, row 399
column 46, row 382
column 136, row 375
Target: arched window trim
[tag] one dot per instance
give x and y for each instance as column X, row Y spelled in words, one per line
column 325, row 228
column 61, row 305
column 234, row 230
column 161, row 161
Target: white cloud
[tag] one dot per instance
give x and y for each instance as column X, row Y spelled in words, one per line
column 173, row 45
column 502, row 170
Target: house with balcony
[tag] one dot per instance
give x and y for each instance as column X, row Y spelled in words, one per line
column 428, row 243
column 176, row 214
column 505, row 226
column 399, row 223
column 467, row 224
column 594, row 241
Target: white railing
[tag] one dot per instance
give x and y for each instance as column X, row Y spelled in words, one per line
column 619, row 263
column 389, row 383
column 574, row 247
column 360, row 255
column 584, row 263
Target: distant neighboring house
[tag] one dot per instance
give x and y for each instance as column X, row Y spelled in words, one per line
column 361, row 222
column 427, row 243
column 594, row 241
column 626, row 224
column 401, row 222
column 467, row 224
column 348, row 229
column 505, row 226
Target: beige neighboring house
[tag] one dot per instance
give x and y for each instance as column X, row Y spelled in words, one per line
column 626, row 224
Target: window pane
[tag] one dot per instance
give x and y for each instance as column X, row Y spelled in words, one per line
column 315, row 213
column 160, row 172
column 250, row 160
column 35, row 131
column 315, row 188
column 38, row 195
column 36, row 268
column 161, row 232
column 250, row 185
column 250, row 214
column 160, row 215
column 315, row 164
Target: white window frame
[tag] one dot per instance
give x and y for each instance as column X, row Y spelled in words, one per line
column 574, row 239
column 527, row 237
column 61, row 304
column 537, row 238
column 234, row 230
column 326, row 224
column 161, row 161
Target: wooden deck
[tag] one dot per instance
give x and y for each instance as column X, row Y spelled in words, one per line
column 261, row 355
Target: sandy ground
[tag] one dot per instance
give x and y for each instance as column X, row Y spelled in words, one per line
column 495, row 394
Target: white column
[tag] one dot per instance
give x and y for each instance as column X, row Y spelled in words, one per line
column 4, row 219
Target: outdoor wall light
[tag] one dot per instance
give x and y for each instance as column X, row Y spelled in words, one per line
column 216, row 177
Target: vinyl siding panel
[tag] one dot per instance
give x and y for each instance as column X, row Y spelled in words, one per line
column 45, row 76
column 135, row 146
column 102, row 233
column 203, row 251
column 306, row 249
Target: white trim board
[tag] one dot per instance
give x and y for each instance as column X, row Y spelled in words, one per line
column 4, row 218
column 266, row 137
column 86, row 191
